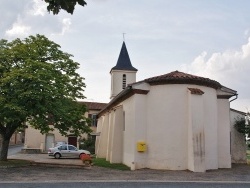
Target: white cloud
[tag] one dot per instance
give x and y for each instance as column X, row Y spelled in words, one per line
column 39, row 8
column 18, row 29
column 246, row 50
column 230, row 68
column 66, row 25
column 31, row 19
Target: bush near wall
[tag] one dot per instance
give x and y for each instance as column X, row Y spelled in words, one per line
column 88, row 144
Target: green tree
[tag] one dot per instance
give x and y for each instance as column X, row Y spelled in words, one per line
column 39, row 85
column 241, row 127
column 69, row 5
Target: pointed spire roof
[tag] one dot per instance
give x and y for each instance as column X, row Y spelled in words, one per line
column 123, row 62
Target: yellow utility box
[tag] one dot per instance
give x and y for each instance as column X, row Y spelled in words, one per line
column 141, row 146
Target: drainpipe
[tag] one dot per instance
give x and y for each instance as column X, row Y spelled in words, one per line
column 236, row 97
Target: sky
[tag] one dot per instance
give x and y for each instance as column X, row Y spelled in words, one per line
column 205, row 38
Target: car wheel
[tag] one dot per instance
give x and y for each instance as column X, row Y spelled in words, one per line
column 57, row 155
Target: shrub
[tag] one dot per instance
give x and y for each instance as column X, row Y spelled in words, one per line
column 240, row 126
column 88, row 144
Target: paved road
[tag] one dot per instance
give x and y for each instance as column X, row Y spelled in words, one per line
column 45, row 173
column 14, row 149
column 127, row 184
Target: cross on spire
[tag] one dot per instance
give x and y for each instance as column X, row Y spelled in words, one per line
column 123, row 34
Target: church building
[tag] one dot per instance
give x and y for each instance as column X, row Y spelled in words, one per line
column 175, row 121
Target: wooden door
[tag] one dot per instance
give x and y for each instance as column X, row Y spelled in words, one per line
column 72, row 140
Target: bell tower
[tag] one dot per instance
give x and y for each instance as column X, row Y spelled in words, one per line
column 123, row 73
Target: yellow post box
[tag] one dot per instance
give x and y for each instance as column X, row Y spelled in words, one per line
column 141, row 146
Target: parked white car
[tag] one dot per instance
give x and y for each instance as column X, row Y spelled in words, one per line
column 68, row 151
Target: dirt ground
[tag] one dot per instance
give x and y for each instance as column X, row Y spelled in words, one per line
column 50, row 169
column 42, row 173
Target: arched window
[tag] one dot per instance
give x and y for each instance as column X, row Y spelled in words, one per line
column 124, row 81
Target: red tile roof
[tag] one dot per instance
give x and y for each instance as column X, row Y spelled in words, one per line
column 196, row 91
column 94, row 105
column 177, row 77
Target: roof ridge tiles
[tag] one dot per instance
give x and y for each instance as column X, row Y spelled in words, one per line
column 177, row 77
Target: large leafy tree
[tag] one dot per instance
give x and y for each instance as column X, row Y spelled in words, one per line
column 69, row 5
column 39, row 85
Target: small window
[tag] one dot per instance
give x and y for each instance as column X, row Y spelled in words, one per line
column 124, row 81
column 93, row 118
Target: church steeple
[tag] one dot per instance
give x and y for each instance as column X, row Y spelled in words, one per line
column 123, row 62
column 123, row 73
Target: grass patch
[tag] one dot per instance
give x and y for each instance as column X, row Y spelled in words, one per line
column 248, row 154
column 248, row 157
column 14, row 163
column 103, row 163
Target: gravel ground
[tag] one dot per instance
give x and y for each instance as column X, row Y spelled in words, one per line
column 44, row 170
column 55, row 173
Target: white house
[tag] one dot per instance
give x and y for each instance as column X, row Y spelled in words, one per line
column 238, row 142
column 175, row 121
column 42, row 142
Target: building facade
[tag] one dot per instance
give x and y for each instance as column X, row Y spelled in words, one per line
column 35, row 140
column 175, row 121
column 238, row 140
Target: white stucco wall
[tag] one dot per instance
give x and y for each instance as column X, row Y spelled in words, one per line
column 180, row 129
column 141, row 106
column 102, row 142
column 129, row 146
column 224, row 156
column 110, row 134
column 37, row 140
column 167, row 126
column 116, row 80
column 210, row 127
column 116, row 151
column 196, row 134
column 238, row 144
column 34, row 138
column 167, row 119
column 98, row 138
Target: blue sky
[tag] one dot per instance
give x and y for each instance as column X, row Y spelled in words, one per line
column 205, row 38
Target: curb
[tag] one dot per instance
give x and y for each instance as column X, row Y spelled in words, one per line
column 33, row 163
column 29, row 163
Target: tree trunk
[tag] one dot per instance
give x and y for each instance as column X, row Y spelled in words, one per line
column 4, row 149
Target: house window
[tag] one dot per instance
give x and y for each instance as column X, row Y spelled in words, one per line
column 93, row 118
column 124, row 81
